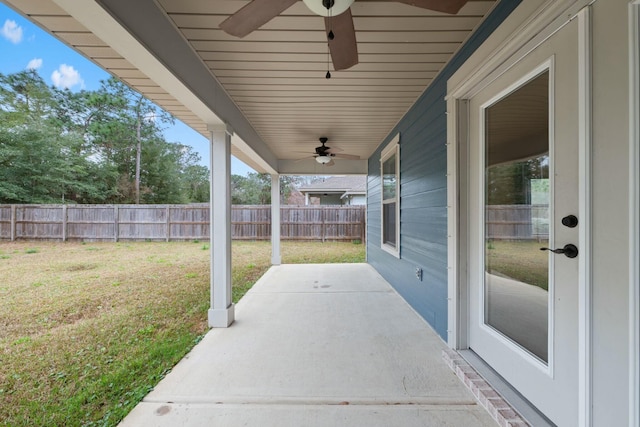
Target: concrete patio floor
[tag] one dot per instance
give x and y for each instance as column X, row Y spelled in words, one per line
column 315, row 345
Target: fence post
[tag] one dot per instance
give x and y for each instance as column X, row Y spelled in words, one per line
column 116, row 227
column 64, row 223
column 168, row 212
column 322, row 218
column 13, row 223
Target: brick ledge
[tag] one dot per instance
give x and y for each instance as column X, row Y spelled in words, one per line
column 491, row 400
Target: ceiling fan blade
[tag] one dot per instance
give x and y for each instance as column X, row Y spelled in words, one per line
column 344, row 48
column 331, row 163
column 346, row 156
column 254, row 15
column 446, row 6
column 304, row 158
column 335, row 148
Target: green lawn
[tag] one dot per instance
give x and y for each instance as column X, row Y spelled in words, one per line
column 520, row 260
column 86, row 330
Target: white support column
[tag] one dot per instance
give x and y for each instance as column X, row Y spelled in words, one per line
column 306, row 199
column 275, row 220
column 221, row 313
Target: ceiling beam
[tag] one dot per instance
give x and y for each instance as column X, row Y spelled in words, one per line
column 312, row 167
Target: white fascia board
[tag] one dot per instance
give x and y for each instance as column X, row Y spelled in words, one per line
column 312, row 167
column 531, row 23
column 324, row 190
column 97, row 20
column 251, row 157
column 102, row 24
column 323, row 193
column 353, row 193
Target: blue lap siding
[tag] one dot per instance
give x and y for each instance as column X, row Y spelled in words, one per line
column 423, row 192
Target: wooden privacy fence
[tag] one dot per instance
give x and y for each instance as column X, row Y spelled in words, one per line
column 175, row 222
column 300, row 222
column 517, row 222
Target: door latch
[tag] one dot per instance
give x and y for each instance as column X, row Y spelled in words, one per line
column 570, row 221
column 569, row 250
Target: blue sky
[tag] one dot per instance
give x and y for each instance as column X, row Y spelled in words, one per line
column 24, row 45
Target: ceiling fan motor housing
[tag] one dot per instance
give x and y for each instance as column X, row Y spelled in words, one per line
column 328, row 7
column 322, row 150
column 328, row 3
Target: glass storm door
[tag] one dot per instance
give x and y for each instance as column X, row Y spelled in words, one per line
column 523, row 197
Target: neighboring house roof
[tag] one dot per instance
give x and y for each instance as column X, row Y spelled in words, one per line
column 345, row 185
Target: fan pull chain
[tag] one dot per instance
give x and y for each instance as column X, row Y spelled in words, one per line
column 328, row 75
column 330, row 36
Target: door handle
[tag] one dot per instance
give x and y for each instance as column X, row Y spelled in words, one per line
column 569, row 250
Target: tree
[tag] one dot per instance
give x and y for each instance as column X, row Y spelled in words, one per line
column 104, row 146
column 25, row 99
column 196, row 183
column 510, row 183
column 39, row 166
column 41, row 163
column 255, row 188
column 129, row 123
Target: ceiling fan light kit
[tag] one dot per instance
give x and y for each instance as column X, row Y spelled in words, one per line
column 323, row 160
column 335, row 7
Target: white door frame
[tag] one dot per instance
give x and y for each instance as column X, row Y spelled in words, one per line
column 532, row 23
column 634, row 203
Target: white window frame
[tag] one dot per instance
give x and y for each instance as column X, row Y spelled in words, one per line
column 392, row 148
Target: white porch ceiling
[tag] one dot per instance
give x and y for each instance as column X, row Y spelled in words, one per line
column 269, row 86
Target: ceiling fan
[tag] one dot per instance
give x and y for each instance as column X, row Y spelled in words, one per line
column 325, row 157
column 338, row 22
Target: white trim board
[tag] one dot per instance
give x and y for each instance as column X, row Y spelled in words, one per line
column 526, row 28
column 391, row 149
column 457, row 184
column 585, row 309
column 634, row 217
column 530, row 24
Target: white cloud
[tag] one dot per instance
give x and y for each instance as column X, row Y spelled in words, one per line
column 66, row 77
column 151, row 117
column 34, row 64
column 12, row 31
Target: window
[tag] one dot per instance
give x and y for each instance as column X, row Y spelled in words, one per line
column 390, row 172
column 517, row 207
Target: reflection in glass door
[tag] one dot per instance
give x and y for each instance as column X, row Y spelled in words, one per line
column 517, row 203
